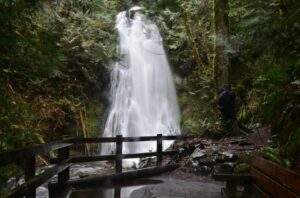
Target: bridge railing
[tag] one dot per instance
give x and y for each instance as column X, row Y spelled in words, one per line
column 27, row 156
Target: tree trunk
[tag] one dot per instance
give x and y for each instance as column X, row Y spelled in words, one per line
column 221, row 29
column 193, row 44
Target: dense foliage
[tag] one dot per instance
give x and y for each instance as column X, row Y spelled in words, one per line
column 53, row 63
column 263, row 49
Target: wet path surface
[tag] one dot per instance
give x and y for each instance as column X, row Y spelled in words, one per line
column 162, row 187
column 178, row 188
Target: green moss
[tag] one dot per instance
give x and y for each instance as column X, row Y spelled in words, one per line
column 242, row 168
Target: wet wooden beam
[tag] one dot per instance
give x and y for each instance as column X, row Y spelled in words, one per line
column 271, row 186
column 82, row 159
column 261, row 192
column 29, row 171
column 35, row 182
column 106, row 181
column 119, row 150
column 288, row 178
column 159, row 150
column 124, row 139
column 19, row 155
column 92, row 158
column 139, row 139
column 64, row 175
column 91, row 140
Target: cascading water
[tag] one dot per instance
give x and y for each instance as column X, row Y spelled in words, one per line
column 143, row 97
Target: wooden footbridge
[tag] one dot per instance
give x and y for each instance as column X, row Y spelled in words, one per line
column 265, row 179
column 27, row 157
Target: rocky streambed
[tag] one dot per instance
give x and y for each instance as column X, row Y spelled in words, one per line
column 203, row 156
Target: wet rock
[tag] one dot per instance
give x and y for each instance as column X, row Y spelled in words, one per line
column 227, row 157
column 198, row 153
column 192, row 163
column 212, row 151
column 209, row 160
column 204, row 170
column 83, row 175
column 201, row 146
column 227, row 167
column 189, row 169
column 144, row 163
column 244, row 143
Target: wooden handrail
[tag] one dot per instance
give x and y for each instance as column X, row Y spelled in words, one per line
column 35, row 182
column 17, row 155
column 63, row 162
column 124, row 139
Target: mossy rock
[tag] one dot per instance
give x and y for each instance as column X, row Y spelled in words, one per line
column 247, row 157
column 242, row 168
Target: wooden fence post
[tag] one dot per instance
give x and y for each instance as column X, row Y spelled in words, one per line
column 117, row 193
column 119, row 157
column 159, row 150
column 63, row 154
column 30, row 173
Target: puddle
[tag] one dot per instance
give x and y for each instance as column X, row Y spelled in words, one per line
column 118, row 190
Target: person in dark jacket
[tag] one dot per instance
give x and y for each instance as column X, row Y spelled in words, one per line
column 226, row 105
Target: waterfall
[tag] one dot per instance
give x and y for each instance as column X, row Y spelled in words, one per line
column 143, row 96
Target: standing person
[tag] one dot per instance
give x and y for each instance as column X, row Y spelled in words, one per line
column 226, row 105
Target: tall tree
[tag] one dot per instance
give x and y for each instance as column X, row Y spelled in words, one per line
column 221, row 29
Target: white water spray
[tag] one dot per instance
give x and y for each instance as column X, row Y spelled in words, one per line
column 143, row 97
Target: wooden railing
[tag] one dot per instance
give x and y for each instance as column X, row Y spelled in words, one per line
column 27, row 156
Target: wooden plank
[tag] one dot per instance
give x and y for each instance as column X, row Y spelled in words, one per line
column 261, row 192
column 272, row 187
column 125, row 139
column 63, row 176
column 92, row 158
column 91, row 140
column 29, row 171
column 139, row 139
column 119, row 150
column 82, row 159
column 109, row 180
column 117, row 193
column 111, row 139
column 17, row 155
column 159, row 150
column 139, row 155
column 286, row 177
column 35, row 182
